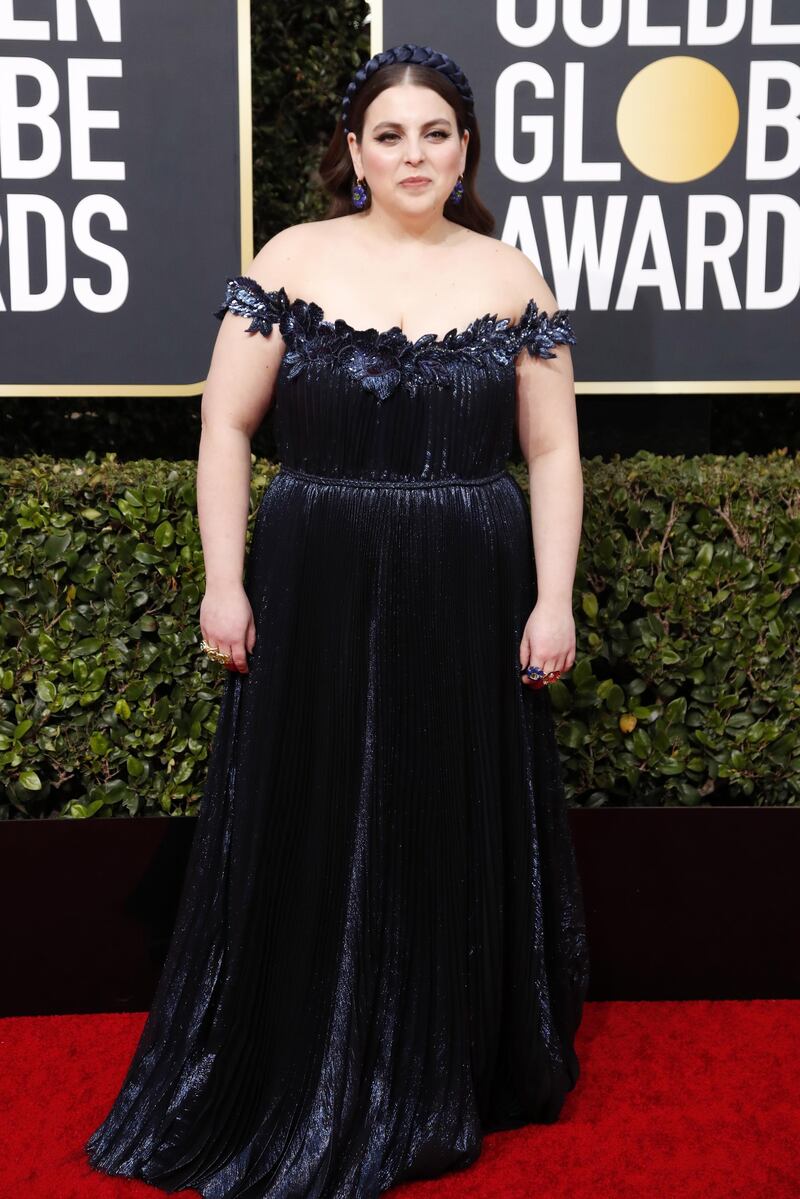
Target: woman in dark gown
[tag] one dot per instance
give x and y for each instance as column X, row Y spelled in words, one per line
column 379, row 953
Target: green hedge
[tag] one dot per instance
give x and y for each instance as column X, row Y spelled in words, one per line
column 684, row 691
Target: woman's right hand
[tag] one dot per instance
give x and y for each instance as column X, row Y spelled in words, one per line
column 226, row 622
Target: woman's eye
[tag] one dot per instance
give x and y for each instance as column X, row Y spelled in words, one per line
column 434, row 133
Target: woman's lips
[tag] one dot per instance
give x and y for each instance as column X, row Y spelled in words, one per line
column 415, row 182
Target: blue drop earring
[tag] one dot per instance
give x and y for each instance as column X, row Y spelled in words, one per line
column 359, row 193
column 457, row 194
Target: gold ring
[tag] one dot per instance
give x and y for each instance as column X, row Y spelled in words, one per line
column 215, row 653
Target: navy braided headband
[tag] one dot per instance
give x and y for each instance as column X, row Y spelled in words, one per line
column 423, row 56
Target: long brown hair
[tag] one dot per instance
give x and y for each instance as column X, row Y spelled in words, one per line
column 335, row 172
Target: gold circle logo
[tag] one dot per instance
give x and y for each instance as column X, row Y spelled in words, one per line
column 677, row 119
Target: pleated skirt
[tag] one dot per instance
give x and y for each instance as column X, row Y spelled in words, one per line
column 379, row 952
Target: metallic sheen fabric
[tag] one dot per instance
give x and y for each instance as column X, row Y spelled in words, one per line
column 380, row 949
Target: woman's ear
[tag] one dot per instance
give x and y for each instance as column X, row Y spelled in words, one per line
column 355, row 155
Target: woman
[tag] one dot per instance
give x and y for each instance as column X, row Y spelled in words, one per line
column 379, row 952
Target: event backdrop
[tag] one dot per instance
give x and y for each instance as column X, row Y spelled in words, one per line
column 644, row 153
column 645, row 156
column 126, row 190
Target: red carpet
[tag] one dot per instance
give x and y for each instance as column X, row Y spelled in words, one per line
column 675, row 1101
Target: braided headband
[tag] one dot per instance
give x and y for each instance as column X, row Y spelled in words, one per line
column 409, row 52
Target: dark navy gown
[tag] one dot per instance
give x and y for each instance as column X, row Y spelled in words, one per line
column 380, row 950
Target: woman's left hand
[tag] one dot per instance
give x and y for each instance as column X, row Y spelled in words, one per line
column 548, row 639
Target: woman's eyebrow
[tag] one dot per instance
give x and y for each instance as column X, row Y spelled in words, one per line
column 398, row 125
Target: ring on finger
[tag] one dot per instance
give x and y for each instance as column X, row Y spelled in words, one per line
column 215, row 653
column 540, row 677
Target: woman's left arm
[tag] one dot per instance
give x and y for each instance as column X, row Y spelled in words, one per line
column 547, row 425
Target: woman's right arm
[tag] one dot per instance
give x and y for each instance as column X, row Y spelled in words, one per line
column 237, row 395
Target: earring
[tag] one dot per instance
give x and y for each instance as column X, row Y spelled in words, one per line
column 359, row 193
column 457, row 194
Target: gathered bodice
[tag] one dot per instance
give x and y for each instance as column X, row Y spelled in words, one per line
column 370, row 404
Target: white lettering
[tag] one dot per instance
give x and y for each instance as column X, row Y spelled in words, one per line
column 642, row 33
column 761, row 118
column 575, row 169
column 766, row 32
column 540, row 126
column 599, row 34
column 583, row 256
column 14, row 115
column 107, row 18
column 83, row 118
column 106, row 13
column 649, row 233
column 761, row 208
column 12, row 28
column 700, row 32
column 114, row 298
column 52, row 252
column 638, row 29
column 699, row 252
column 526, row 35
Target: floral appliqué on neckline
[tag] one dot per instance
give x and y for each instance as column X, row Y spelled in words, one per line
column 381, row 360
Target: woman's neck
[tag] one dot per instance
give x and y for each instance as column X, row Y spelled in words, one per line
column 387, row 228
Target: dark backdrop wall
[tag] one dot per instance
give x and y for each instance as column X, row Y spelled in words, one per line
column 303, row 58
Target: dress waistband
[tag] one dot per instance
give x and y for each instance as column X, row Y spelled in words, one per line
column 340, row 481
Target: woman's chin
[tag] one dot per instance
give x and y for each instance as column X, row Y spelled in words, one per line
column 416, row 200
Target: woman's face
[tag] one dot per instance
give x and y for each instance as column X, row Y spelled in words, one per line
column 409, row 131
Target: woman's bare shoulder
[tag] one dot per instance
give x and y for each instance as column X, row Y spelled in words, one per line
column 286, row 256
column 523, row 278
column 507, row 271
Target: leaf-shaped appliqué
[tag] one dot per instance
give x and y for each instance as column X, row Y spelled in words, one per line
column 383, row 359
column 245, row 297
